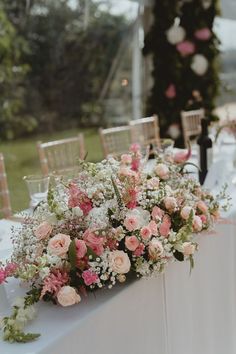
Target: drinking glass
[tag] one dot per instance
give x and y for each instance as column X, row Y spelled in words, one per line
column 165, row 147
column 37, row 187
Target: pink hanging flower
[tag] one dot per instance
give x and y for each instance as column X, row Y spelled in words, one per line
column 54, row 282
column 135, row 148
column 203, row 34
column 185, row 48
column 89, row 277
column 78, row 198
column 170, row 91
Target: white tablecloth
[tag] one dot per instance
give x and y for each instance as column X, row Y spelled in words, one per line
column 171, row 314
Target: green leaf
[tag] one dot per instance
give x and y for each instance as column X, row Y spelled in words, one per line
column 117, row 193
column 72, row 254
column 179, row 256
column 90, row 252
column 191, row 261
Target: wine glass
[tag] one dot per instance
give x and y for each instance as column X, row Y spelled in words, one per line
column 38, row 188
column 165, row 147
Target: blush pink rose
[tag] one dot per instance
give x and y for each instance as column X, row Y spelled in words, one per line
column 43, row 231
column 153, row 227
column 67, row 296
column 188, row 248
column 131, row 223
column 170, row 203
column 131, row 242
column 165, row 226
column 145, row 233
column 203, row 34
column 139, row 250
column 81, row 248
column 170, row 91
column 89, row 277
column 94, row 242
column 59, row 245
column 119, row 262
column 185, row 212
column 202, row 206
column 162, row 171
column 157, row 213
column 126, row 159
column 197, row 223
column 185, row 48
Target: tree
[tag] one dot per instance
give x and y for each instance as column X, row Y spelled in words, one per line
column 12, row 74
column 185, row 59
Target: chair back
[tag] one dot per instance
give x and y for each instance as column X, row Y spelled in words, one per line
column 191, row 123
column 145, row 131
column 60, row 156
column 115, row 141
column 5, row 208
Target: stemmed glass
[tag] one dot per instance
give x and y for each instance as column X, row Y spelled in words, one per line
column 37, row 187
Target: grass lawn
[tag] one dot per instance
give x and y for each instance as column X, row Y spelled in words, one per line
column 21, row 158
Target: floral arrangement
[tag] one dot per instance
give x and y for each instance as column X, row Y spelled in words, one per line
column 183, row 44
column 116, row 219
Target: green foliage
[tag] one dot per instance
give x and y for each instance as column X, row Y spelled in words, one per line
column 169, row 67
column 72, row 254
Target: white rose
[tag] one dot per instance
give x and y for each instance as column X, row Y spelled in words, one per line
column 155, row 249
column 143, row 216
column 175, row 34
column 67, row 296
column 199, row 64
column 119, row 262
column 185, row 212
column 188, row 248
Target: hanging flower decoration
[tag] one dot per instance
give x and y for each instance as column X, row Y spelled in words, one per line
column 199, row 64
column 203, row 34
column 171, row 91
column 175, row 34
column 185, row 48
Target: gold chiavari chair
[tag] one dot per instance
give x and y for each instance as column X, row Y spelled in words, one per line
column 115, row 141
column 145, row 131
column 191, row 124
column 60, row 156
column 5, row 208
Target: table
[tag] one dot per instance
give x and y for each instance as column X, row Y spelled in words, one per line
column 172, row 314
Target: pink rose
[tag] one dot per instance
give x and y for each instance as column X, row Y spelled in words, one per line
column 153, row 183
column 157, row 213
column 170, row 91
column 81, row 248
column 185, row 48
column 153, row 227
column 94, row 242
column 170, row 203
column 131, row 242
column 135, row 148
column 162, row 171
column 203, row 218
column 119, row 262
column 59, row 245
column 126, row 159
column 89, row 277
column 197, row 223
column 203, row 34
column 68, row 296
column 155, row 249
column 202, row 206
column 188, row 248
column 185, row 212
column 139, row 250
column 165, row 226
column 145, row 233
column 43, row 231
column 131, row 223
